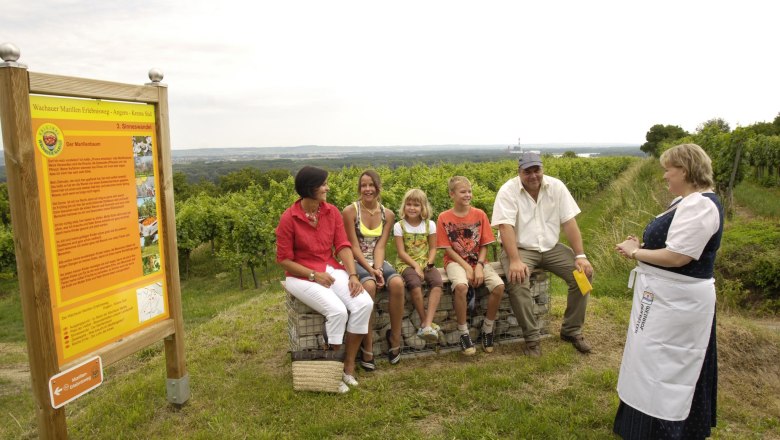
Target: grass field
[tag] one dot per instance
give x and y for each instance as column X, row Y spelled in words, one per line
column 761, row 201
column 241, row 379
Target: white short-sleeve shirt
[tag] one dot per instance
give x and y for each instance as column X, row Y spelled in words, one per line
column 694, row 223
column 419, row 229
column 538, row 222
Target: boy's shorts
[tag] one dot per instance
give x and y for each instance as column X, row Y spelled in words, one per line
column 413, row 281
column 457, row 275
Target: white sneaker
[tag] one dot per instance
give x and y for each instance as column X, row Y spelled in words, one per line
column 343, row 388
column 349, row 380
column 428, row 334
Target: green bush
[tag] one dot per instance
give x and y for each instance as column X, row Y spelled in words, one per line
column 7, row 256
column 750, row 252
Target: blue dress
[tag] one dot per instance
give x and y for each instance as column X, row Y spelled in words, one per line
column 631, row 423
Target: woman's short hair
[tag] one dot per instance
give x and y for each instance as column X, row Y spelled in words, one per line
column 416, row 195
column 374, row 178
column 457, row 180
column 693, row 160
column 309, row 179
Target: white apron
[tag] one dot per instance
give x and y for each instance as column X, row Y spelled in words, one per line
column 668, row 334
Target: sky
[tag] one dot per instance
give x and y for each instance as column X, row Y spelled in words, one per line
column 349, row 73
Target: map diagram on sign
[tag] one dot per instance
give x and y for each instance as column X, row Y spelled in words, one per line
column 150, row 302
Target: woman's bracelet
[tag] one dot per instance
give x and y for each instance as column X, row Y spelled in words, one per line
column 353, row 275
column 633, row 253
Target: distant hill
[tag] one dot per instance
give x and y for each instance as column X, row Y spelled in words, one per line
column 191, row 161
column 320, row 151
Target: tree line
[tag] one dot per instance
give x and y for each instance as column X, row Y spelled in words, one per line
column 746, row 152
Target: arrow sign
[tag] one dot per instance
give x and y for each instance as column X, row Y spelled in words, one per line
column 68, row 385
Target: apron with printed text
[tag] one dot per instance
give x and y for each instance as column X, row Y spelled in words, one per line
column 668, row 334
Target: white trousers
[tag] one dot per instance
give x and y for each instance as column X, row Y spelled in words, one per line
column 334, row 303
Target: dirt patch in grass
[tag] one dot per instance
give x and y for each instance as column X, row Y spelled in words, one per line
column 16, row 373
column 748, row 356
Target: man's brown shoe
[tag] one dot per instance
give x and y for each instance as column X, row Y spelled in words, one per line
column 578, row 341
column 532, row 349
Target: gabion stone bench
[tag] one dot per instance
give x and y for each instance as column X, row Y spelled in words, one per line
column 305, row 326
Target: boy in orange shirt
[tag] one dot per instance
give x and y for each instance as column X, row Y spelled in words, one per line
column 464, row 231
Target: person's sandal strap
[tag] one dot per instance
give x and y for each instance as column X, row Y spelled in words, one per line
column 368, row 365
column 392, row 357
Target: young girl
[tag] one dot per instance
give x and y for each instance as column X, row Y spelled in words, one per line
column 415, row 239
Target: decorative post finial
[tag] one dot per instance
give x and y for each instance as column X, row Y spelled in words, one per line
column 155, row 74
column 10, row 53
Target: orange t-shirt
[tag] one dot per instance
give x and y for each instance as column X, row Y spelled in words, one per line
column 465, row 235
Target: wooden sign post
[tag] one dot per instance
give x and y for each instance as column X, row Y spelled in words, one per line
column 91, row 191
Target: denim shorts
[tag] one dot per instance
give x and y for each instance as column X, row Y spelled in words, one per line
column 387, row 271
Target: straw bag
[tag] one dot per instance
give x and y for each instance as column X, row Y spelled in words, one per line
column 317, row 370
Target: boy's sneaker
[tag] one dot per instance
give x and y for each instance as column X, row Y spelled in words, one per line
column 487, row 341
column 466, row 345
column 429, row 334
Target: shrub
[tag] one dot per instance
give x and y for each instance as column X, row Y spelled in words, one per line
column 7, row 256
column 750, row 252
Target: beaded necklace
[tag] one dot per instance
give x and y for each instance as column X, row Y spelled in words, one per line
column 313, row 217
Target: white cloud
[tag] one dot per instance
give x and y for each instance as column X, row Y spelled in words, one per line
column 271, row 73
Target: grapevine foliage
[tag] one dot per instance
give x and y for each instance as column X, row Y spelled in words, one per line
column 242, row 223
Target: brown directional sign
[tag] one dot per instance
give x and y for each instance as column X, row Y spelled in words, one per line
column 75, row 382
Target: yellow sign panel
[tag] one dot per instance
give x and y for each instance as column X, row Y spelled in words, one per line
column 98, row 179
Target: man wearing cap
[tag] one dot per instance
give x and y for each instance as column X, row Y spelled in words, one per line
column 530, row 210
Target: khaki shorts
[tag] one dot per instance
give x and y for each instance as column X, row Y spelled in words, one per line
column 457, row 275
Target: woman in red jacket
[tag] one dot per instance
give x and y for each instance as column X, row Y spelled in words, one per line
column 309, row 233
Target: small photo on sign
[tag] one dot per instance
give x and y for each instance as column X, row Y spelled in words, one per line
column 144, row 186
column 142, row 146
column 150, row 302
column 144, row 166
column 151, row 263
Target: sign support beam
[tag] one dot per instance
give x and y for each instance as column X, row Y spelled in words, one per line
column 178, row 384
column 28, row 244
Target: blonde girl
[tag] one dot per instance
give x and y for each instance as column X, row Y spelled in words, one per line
column 415, row 239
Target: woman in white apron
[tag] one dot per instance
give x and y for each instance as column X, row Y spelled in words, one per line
column 668, row 376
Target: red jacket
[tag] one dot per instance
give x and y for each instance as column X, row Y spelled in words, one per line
column 299, row 241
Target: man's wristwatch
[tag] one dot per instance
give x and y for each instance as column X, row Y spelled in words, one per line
column 311, row 276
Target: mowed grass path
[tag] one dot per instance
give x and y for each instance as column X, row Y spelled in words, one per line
column 242, row 387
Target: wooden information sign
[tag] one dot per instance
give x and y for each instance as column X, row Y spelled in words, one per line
column 90, row 187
